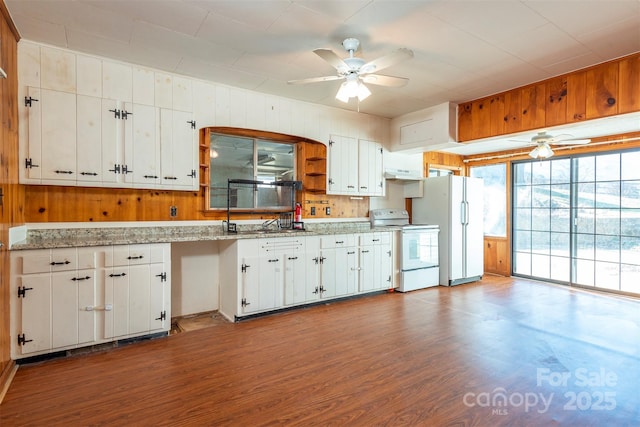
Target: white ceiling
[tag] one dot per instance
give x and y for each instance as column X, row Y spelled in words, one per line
column 463, row 50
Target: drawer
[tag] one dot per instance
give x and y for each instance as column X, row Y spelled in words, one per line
column 337, row 241
column 128, row 255
column 45, row 261
column 377, row 238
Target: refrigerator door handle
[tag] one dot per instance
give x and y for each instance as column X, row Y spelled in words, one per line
column 466, row 214
column 463, row 213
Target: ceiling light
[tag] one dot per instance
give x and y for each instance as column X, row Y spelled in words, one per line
column 542, row 151
column 352, row 88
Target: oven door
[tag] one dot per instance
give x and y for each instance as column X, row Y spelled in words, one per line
column 419, row 247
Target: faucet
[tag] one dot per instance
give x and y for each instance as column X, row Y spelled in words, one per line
column 268, row 222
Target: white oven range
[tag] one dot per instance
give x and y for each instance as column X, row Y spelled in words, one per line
column 419, row 259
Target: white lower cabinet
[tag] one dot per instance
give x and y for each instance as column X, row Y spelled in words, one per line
column 73, row 297
column 268, row 274
column 375, row 261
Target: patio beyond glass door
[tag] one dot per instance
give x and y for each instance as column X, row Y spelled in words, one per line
column 577, row 220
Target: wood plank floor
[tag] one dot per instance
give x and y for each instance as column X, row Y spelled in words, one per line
column 482, row 354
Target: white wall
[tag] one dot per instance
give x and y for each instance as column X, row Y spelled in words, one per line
column 194, row 277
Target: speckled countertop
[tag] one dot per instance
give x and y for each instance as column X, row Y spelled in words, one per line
column 81, row 237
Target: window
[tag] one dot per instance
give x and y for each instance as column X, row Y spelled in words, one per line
column 577, row 220
column 495, row 198
column 239, row 157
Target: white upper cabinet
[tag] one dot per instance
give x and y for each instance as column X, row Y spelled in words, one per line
column 58, row 69
column 52, row 136
column 89, row 139
column 342, row 168
column 354, row 167
column 178, row 157
column 142, row 153
column 117, row 81
column 173, row 92
column 143, row 86
column 370, row 168
column 89, row 76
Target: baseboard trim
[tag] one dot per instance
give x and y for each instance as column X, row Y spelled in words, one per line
column 6, row 378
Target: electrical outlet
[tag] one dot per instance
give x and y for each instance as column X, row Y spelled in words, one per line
column 173, row 211
column 313, row 210
column 328, row 210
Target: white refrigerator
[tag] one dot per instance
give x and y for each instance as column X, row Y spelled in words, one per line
column 455, row 203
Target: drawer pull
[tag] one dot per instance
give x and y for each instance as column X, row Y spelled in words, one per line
column 60, row 263
column 81, row 278
column 118, row 275
column 135, row 257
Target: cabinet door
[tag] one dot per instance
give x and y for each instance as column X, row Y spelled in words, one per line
column 116, row 300
column 160, row 318
column 343, row 165
column 113, row 135
column 294, row 278
column 367, row 272
column 33, row 160
column 178, row 150
column 55, row 122
column 89, row 138
column 250, row 281
column 370, row 172
column 139, row 298
column 142, row 150
column 271, row 277
column 36, row 313
column 344, row 274
column 328, row 273
column 312, row 268
column 64, row 309
column 382, row 266
column 87, row 281
column 352, row 270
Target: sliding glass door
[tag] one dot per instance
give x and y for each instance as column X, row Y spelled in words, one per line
column 577, row 220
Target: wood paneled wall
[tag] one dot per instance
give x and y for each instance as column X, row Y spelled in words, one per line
column 601, row 90
column 12, row 199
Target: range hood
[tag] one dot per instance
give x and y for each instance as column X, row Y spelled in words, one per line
column 403, row 174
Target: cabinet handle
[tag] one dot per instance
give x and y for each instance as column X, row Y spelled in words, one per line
column 365, row 252
column 150, row 176
column 89, row 173
column 339, row 242
column 60, row 263
column 316, row 291
column 63, row 172
column 118, row 275
column 170, row 177
column 376, row 240
column 273, row 260
column 291, row 258
column 135, row 257
column 351, row 253
column 351, row 186
column 81, row 278
column 363, row 188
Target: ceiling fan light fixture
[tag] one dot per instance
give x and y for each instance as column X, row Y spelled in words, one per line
column 542, row 151
column 352, row 88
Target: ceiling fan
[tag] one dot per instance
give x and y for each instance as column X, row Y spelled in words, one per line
column 355, row 71
column 543, row 141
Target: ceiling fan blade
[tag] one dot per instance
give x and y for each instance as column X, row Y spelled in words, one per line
column 558, row 138
column 381, row 80
column 333, row 59
column 314, row 80
column 570, row 142
column 386, row 61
